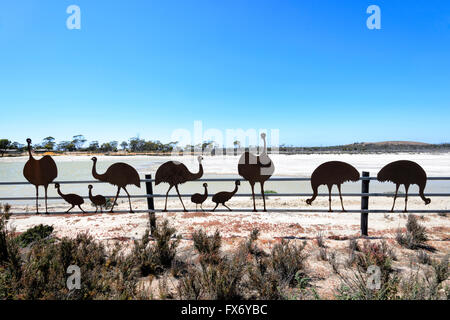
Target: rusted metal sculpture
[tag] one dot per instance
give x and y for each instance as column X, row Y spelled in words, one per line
column 256, row 168
column 407, row 173
column 224, row 196
column 118, row 174
column 199, row 198
column 98, row 200
column 40, row 172
column 72, row 199
column 329, row 174
column 175, row 173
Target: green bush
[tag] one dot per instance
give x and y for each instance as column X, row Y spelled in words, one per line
column 34, row 234
column 43, row 273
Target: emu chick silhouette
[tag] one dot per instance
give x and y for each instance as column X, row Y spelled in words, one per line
column 175, row 173
column 73, row 199
column 40, row 172
column 329, row 174
column 407, row 173
column 98, row 200
column 224, row 196
column 118, row 174
column 199, row 198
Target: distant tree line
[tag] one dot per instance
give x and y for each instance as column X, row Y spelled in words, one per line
column 136, row 144
column 78, row 143
column 360, row 147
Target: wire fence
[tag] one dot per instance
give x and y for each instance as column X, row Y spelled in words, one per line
column 150, row 196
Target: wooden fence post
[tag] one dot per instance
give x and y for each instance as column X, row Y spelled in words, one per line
column 365, row 203
column 150, row 203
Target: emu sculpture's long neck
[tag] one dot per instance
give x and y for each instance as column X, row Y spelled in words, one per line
column 90, row 194
column 314, row 194
column 263, row 159
column 421, row 194
column 59, row 192
column 264, row 152
column 95, row 174
column 199, row 174
column 206, row 192
column 235, row 190
column 29, row 152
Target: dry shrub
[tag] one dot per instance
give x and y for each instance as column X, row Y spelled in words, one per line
column 154, row 258
column 218, row 277
column 354, row 284
column 320, row 240
column 323, row 255
column 208, row 247
column 270, row 274
column 423, row 257
column 415, row 236
column 376, row 254
column 427, row 285
column 249, row 272
column 42, row 273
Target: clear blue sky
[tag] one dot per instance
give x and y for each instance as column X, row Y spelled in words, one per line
column 309, row 68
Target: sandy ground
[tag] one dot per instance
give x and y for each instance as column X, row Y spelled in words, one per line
column 273, row 225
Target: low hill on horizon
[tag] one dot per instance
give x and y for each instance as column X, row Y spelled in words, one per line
column 398, row 143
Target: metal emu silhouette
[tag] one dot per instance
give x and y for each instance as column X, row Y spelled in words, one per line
column 175, row 173
column 120, row 175
column 329, row 174
column 98, row 200
column 255, row 168
column 224, row 196
column 71, row 198
column 407, row 173
column 199, row 198
column 40, row 172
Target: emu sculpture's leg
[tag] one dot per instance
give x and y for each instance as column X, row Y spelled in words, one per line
column 96, row 208
column 114, row 203
column 167, row 194
column 73, row 206
column 395, row 196
column 37, row 196
column 226, row 206
column 215, row 207
column 79, row 206
column 201, row 207
column 263, row 196
column 46, row 210
column 129, row 200
column 340, row 196
column 176, row 188
column 253, row 195
column 406, row 197
column 329, row 198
